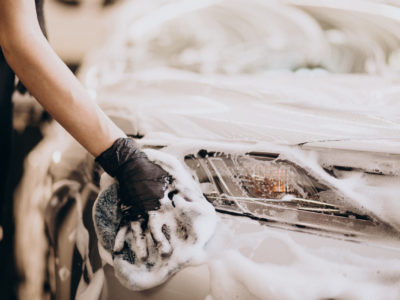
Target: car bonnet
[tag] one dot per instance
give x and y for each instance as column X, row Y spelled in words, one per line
column 359, row 112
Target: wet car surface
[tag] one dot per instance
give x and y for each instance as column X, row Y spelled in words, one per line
column 251, row 189
column 293, row 162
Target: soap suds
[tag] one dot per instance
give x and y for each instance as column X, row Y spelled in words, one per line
column 243, row 264
column 304, row 273
column 231, row 37
column 175, row 235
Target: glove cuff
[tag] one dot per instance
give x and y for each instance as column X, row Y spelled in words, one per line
column 122, row 150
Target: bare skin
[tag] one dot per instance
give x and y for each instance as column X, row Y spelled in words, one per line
column 49, row 80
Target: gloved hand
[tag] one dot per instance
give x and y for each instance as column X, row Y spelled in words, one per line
column 142, row 183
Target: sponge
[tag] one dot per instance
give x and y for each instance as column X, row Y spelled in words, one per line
column 173, row 237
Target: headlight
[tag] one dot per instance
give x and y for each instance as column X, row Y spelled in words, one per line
column 261, row 186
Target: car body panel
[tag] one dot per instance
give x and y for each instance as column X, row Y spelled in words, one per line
column 213, row 109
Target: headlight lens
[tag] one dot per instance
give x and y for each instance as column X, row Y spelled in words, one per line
column 262, row 186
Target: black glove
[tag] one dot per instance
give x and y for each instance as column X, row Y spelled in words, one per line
column 142, row 183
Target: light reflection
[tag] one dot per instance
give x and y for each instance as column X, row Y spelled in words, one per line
column 56, row 157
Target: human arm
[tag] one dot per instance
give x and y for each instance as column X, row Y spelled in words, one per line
column 49, row 80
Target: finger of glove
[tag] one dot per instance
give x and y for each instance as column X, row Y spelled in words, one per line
column 129, row 214
column 146, row 191
column 139, row 246
column 136, row 212
column 143, row 167
column 140, row 169
column 185, row 212
column 156, row 225
column 120, row 239
column 151, row 249
column 142, row 196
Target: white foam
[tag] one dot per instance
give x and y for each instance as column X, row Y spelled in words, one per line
column 230, row 37
column 189, row 217
column 295, row 271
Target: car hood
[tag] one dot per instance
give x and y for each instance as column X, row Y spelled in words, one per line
column 357, row 112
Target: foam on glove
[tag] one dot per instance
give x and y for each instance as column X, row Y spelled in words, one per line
column 145, row 253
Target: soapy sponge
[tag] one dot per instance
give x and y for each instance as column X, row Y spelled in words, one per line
column 146, row 253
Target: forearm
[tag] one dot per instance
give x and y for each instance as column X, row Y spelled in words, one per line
column 58, row 90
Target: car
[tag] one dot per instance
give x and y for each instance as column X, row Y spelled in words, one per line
column 302, row 167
